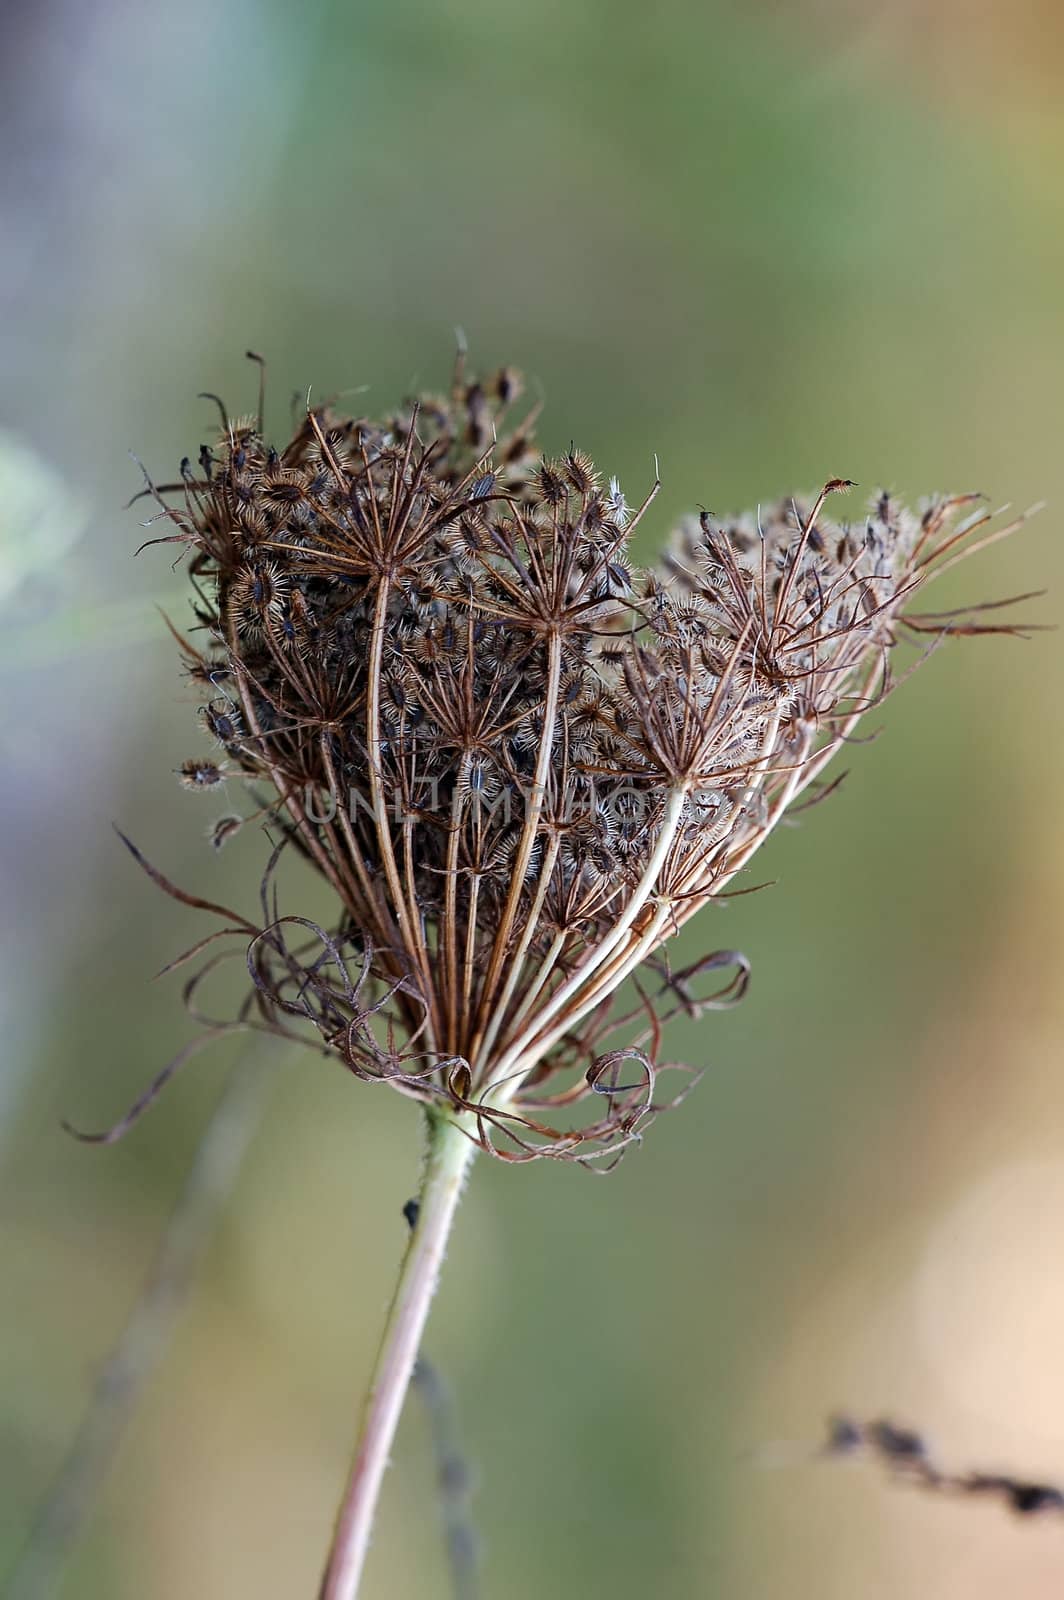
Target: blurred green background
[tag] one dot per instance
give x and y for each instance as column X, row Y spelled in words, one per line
column 772, row 244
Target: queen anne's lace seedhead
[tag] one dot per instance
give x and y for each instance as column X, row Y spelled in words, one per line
column 520, row 762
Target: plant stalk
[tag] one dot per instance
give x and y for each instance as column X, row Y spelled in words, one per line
column 450, row 1152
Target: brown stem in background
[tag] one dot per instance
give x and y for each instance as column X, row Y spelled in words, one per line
column 144, row 1341
column 905, row 1455
column 453, row 1481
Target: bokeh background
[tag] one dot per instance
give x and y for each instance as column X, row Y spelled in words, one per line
column 772, row 244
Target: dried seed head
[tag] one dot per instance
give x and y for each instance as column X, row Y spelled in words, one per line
column 520, row 763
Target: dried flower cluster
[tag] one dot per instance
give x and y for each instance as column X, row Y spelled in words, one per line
column 520, row 762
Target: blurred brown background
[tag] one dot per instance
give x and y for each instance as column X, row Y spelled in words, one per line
column 771, row 244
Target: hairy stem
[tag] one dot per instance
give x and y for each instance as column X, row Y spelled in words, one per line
column 449, row 1155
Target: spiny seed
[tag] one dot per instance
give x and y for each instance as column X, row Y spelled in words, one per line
column 224, row 829
column 200, row 774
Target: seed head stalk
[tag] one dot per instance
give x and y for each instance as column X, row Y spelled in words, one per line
column 449, row 1154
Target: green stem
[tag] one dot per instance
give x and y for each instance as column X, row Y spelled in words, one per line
column 450, row 1152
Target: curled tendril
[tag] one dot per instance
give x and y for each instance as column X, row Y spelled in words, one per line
column 307, row 977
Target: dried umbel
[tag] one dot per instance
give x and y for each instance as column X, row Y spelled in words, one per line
column 520, row 762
